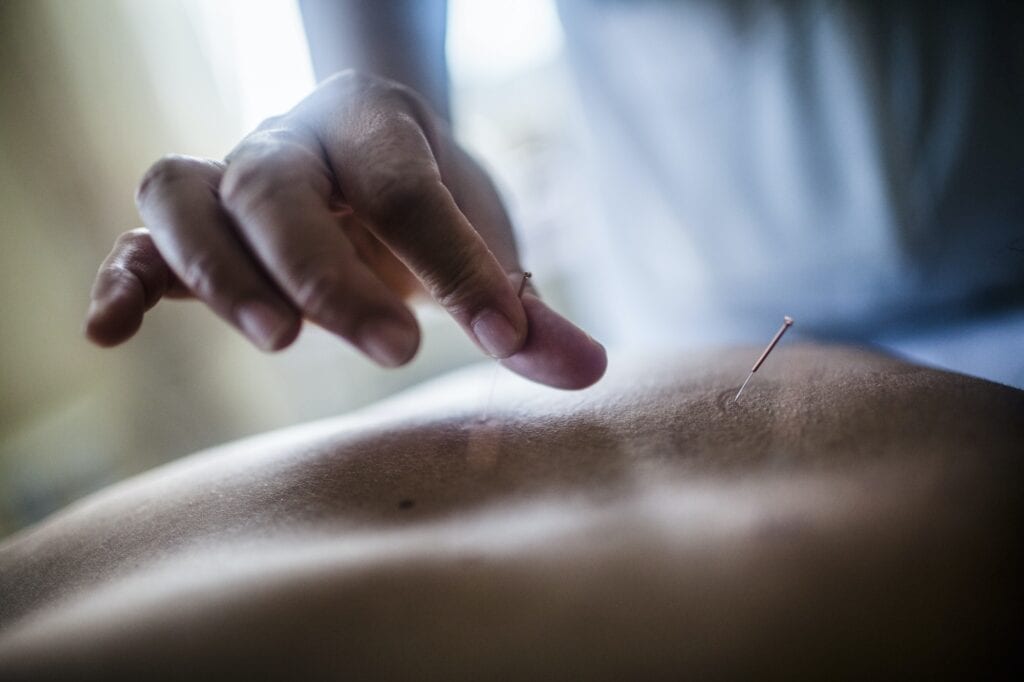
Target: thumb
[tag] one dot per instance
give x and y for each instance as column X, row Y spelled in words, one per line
column 556, row 352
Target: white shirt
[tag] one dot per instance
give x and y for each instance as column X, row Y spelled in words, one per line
column 855, row 165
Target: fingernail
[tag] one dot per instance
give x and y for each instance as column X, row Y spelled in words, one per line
column 261, row 323
column 496, row 334
column 388, row 342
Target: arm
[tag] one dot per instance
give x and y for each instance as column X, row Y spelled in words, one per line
column 402, row 40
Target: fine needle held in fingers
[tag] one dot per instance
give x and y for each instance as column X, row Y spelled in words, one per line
column 522, row 283
column 497, row 367
column 787, row 322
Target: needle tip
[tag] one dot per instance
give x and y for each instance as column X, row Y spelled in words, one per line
column 742, row 387
column 522, row 282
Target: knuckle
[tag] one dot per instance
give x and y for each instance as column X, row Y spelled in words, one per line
column 248, row 183
column 273, row 165
column 399, row 196
column 167, row 171
column 133, row 240
column 134, row 249
column 133, row 268
column 119, row 273
column 351, row 81
column 272, row 122
column 354, row 86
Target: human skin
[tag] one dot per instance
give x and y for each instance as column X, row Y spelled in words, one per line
column 340, row 212
column 852, row 515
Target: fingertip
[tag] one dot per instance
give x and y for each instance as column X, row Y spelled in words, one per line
column 557, row 353
column 281, row 340
column 287, row 337
column 110, row 323
column 268, row 327
column 390, row 343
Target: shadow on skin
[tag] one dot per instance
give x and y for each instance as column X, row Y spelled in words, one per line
column 839, row 517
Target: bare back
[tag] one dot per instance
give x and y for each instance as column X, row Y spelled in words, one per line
column 852, row 514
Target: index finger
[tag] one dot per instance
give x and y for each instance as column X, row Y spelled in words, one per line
column 379, row 153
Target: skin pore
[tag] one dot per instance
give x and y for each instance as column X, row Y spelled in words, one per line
column 852, row 514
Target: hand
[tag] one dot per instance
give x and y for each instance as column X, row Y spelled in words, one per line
column 338, row 212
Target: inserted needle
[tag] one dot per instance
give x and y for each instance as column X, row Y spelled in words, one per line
column 787, row 322
column 497, row 366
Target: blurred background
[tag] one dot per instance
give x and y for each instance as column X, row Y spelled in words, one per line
column 855, row 165
column 91, row 93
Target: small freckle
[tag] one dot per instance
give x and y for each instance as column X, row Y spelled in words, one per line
column 406, row 504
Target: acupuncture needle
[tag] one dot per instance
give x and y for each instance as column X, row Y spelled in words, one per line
column 522, row 283
column 787, row 322
column 497, row 366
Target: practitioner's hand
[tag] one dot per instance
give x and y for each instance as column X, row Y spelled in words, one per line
column 338, row 212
